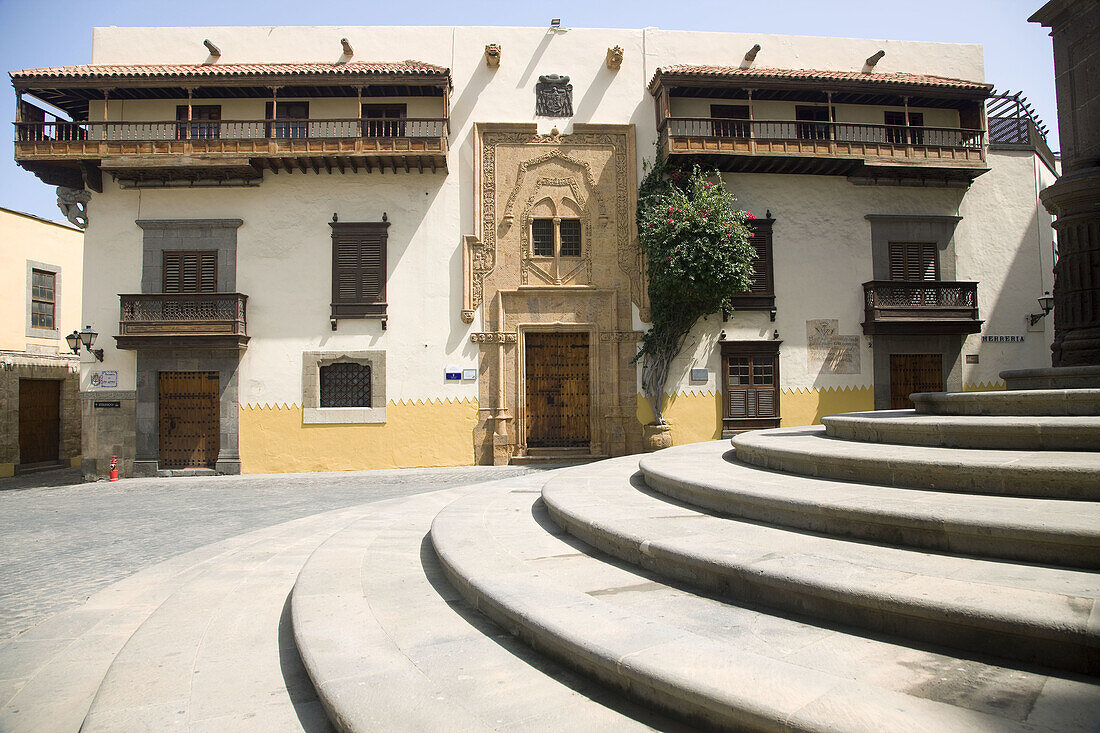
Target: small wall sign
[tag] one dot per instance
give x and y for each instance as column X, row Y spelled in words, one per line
column 971, row 358
column 469, row 374
column 453, row 373
column 109, row 404
column 1002, row 339
column 105, row 379
column 700, row 375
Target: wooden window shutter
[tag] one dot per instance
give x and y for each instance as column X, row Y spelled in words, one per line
column 760, row 237
column 914, row 261
column 190, row 272
column 359, row 269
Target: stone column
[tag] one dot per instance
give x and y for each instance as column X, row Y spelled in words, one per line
column 1075, row 198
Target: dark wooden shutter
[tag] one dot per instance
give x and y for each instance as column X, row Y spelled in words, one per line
column 914, row 261
column 359, row 269
column 190, row 272
column 750, row 384
column 761, row 240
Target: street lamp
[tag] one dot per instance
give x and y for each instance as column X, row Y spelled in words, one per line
column 87, row 337
column 1046, row 302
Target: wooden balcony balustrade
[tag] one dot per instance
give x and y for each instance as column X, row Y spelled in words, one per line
column 849, row 139
column 219, row 146
column 920, row 307
column 182, row 320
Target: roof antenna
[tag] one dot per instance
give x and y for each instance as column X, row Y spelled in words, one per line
column 750, row 57
column 214, row 50
column 869, row 66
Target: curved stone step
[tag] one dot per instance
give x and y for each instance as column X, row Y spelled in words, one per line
column 1050, row 531
column 54, row 669
column 1078, row 402
column 1025, row 612
column 390, row 646
column 714, row 663
column 809, row 452
column 987, row 432
column 217, row 654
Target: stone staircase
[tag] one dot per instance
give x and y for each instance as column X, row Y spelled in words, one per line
column 928, row 570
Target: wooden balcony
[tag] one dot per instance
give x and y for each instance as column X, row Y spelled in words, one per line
column 182, row 320
column 858, row 150
column 920, row 307
column 147, row 154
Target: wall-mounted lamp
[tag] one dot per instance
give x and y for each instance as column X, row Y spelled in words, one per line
column 775, row 335
column 722, row 336
column 86, row 337
column 1046, row 302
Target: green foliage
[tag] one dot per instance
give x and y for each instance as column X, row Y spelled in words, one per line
column 697, row 251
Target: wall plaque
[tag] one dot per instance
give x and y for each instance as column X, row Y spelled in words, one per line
column 110, row 404
column 554, row 96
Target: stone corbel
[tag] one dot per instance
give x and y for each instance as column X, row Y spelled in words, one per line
column 492, row 55
column 493, row 337
column 615, row 58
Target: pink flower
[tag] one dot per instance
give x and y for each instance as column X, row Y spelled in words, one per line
column 750, row 215
column 670, row 221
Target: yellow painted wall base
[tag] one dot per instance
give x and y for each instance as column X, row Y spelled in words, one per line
column 698, row 417
column 415, row 434
column 7, row 470
column 694, row 417
column 807, row 406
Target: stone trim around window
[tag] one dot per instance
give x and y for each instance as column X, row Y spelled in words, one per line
column 314, row 414
column 45, row 333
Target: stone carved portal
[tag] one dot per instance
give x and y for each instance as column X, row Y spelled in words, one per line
column 520, row 177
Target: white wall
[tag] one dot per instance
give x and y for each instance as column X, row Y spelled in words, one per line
column 822, row 241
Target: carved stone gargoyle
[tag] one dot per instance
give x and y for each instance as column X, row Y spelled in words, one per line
column 615, row 58
column 492, row 55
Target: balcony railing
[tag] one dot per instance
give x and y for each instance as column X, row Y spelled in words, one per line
column 182, row 319
column 920, row 306
column 842, row 139
column 253, row 138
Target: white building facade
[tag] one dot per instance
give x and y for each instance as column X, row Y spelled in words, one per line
column 314, row 255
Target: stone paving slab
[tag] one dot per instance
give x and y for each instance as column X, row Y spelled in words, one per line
column 61, row 542
column 1033, row 613
column 719, row 663
column 992, row 432
column 390, row 645
column 809, row 452
column 1051, row 531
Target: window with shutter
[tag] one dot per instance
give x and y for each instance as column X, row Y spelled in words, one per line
column 914, row 261
column 761, row 292
column 750, row 384
column 43, row 300
column 189, row 271
column 359, row 269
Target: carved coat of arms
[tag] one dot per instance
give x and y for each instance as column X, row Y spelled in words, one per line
column 554, row 96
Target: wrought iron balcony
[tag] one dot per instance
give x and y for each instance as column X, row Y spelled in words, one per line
column 145, row 153
column 838, row 148
column 182, row 320
column 920, row 307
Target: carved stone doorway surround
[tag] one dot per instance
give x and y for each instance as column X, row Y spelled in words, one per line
column 520, row 175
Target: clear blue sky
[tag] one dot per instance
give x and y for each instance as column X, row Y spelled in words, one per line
column 1018, row 54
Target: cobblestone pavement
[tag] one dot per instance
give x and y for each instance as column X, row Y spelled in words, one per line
column 61, row 543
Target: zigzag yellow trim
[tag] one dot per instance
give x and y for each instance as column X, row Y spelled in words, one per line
column 404, row 402
column 990, row 386
column 825, row 390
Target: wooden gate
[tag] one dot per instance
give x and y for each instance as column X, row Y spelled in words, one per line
column 39, row 420
column 911, row 373
column 189, row 420
column 558, row 399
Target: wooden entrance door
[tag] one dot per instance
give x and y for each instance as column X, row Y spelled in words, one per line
column 558, row 400
column 189, row 423
column 39, row 420
column 911, row 373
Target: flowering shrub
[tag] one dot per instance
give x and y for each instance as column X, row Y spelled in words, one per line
column 698, row 255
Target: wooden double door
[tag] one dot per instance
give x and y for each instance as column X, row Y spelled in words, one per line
column 39, row 420
column 190, row 426
column 911, row 373
column 558, row 406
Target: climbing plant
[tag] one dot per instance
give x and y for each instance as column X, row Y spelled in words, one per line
column 697, row 252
